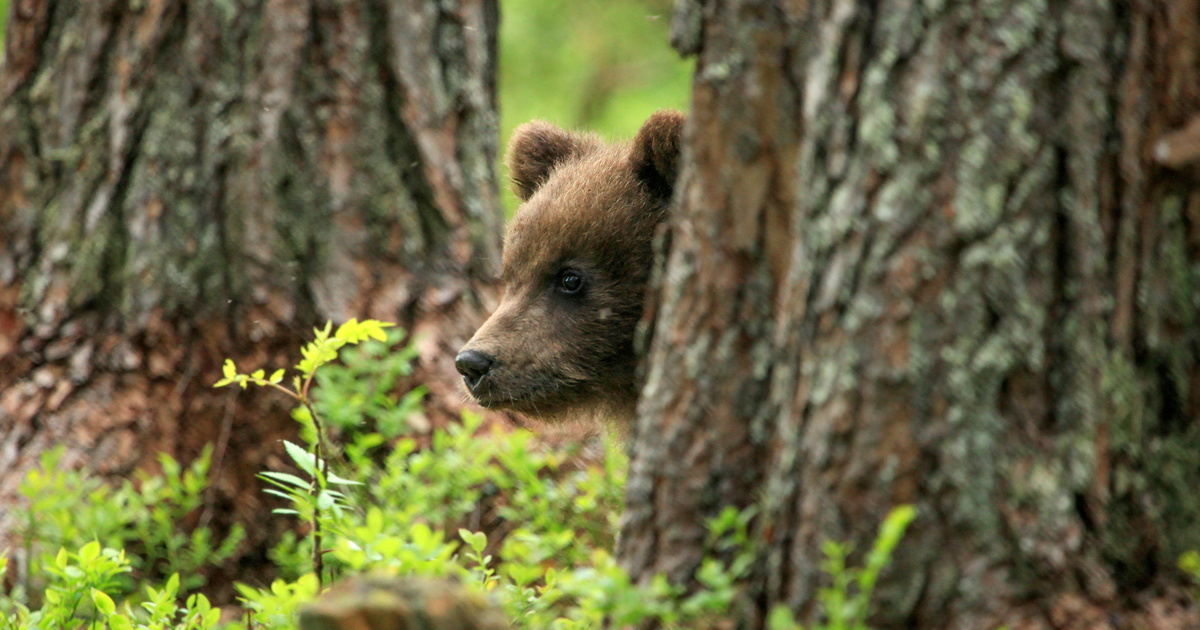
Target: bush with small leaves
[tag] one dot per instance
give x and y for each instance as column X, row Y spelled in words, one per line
column 146, row 518
column 491, row 508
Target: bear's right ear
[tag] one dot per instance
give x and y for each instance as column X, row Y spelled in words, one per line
column 534, row 150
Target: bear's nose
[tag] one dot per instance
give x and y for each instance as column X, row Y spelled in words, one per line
column 473, row 365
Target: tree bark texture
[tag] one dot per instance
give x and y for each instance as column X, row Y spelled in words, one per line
column 941, row 253
column 182, row 182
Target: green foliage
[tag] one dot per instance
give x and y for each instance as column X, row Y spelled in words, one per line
column 80, row 591
column 494, row 508
column 846, row 602
column 275, row 608
column 563, row 61
column 1189, row 562
column 320, row 351
column 146, row 518
column 355, row 394
column 312, row 498
column 551, row 569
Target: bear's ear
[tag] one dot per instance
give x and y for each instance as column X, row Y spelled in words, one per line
column 535, row 149
column 655, row 154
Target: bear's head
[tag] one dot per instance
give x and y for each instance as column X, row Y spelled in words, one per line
column 577, row 257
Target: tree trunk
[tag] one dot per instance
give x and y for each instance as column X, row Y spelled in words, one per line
column 182, row 182
column 945, row 254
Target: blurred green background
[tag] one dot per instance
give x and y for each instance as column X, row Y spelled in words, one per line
column 3, row 23
column 602, row 65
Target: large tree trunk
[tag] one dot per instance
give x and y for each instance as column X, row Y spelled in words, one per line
column 186, row 181
column 923, row 253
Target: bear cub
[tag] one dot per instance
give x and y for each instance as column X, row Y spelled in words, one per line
column 577, row 257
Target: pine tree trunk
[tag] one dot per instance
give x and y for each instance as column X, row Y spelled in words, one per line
column 182, row 182
column 946, row 254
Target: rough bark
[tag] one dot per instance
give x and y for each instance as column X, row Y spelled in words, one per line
column 939, row 253
column 182, row 182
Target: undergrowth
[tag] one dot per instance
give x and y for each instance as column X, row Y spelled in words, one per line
column 494, row 508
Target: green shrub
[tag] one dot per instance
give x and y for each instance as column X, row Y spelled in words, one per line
column 78, row 591
column 529, row 525
column 144, row 517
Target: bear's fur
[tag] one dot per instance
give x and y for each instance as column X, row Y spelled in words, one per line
column 577, row 257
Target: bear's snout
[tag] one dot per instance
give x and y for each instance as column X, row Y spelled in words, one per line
column 473, row 365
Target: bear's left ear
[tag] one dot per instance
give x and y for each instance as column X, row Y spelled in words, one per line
column 655, row 154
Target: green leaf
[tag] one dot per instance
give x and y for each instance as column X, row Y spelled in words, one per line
column 348, row 330
column 1189, row 561
column 104, row 603
column 89, row 552
column 354, row 331
column 305, row 460
column 780, row 618
column 311, row 359
column 332, row 478
column 377, row 333
column 896, row 522
column 61, row 559
column 277, row 376
column 476, row 540
column 286, row 479
column 259, row 374
column 287, row 496
column 229, row 370
column 172, row 587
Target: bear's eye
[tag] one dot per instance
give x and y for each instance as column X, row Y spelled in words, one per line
column 570, row 282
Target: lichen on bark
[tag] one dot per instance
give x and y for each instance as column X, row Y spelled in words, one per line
column 970, row 257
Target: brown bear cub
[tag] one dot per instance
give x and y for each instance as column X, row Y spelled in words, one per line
column 577, row 257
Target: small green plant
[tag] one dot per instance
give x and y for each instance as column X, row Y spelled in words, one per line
column 142, row 517
column 355, row 394
column 313, row 498
column 80, row 594
column 846, row 602
column 80, row 578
